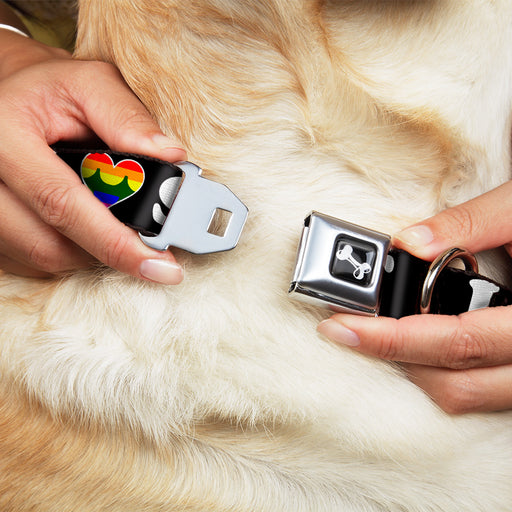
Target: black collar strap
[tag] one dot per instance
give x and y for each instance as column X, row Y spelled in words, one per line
column 356, row 270
column 169, row 204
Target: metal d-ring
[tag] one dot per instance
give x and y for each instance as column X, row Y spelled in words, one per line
column 437, row 267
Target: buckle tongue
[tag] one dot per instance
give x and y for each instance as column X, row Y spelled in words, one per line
column 187, row 225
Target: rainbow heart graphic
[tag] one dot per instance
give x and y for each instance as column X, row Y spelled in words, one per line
column 111, row 183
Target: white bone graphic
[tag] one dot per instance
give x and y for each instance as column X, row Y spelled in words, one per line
column 345, row 254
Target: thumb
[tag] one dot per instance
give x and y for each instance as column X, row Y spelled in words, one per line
column 119, row 118
column 479, row 224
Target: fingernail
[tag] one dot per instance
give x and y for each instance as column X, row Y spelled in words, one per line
column 416, row 236
column 161, row 271
column 164, row 143
column 338, row 333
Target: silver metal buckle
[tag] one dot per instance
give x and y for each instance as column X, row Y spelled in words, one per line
column 340, row 265
column 188, row 222
column 437, row 267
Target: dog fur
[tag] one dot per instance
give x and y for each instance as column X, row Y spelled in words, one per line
column 217, row 394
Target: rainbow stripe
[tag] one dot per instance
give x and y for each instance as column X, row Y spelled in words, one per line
column 111, row 184
column 113, row 175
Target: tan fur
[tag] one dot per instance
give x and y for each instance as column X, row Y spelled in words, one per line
column 217, row 394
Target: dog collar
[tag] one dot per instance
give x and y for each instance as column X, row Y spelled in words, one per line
column 169, row 204
column 351, row 269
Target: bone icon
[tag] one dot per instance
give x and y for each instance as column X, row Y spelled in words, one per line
column 360, row 269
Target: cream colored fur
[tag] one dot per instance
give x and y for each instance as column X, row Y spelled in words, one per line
column 218, row 395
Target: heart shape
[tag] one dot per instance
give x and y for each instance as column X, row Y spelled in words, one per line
column 111, row 183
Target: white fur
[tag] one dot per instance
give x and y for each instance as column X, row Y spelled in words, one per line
column 294, row 422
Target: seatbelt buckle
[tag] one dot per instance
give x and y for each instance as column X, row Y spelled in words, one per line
column 193, row 212
column 340, row 265
column 351, row 269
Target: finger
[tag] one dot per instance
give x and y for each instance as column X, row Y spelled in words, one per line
column 63, row 203
column 477, row 225
column 63, row 100
column 49, row 187
column 462, row 391
column 15, row 267
column 118, row 117
column 479, row 338
column 30, row 243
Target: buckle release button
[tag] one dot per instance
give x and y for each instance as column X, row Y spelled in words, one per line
column 353, row 260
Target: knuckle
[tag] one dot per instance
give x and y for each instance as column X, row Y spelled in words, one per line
column 460, row 394
column 389, row 345
column 54, row 205
column 116, row 250
column 386, row 349
column 465, row 348
column 43, row 257
column 133, row 117
column 461, row 220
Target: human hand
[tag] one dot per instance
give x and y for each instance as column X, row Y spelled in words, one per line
column 463, row 362
column 49, row 221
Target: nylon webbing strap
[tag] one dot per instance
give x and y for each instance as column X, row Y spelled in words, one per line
column 138, row 190
column 455, row 291
column 169, row 204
